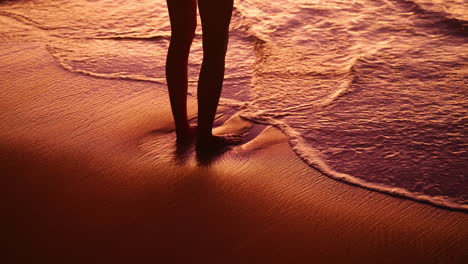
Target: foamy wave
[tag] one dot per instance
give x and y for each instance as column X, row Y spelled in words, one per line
column 117, row 75
column 314, row 158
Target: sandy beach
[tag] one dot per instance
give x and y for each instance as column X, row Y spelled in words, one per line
column 92, row 176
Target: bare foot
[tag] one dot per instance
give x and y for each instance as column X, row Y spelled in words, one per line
column 214, row 143
column 186, row 136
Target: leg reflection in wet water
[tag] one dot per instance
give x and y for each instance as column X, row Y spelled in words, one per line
column 215, row 18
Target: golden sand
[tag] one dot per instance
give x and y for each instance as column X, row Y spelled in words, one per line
column 92, row 177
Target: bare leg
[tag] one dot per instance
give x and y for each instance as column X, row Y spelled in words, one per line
column 216, row 17
column 183, row 16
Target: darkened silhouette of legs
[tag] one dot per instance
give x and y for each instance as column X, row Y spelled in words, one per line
column 215, row 16
column 183, row 17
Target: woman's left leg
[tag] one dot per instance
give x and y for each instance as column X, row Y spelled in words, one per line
column 183, row 17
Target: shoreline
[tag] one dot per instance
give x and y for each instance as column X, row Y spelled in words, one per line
column 311, row 157
column 91, row 176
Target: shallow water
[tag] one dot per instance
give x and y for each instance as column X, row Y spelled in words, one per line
column 371, row 92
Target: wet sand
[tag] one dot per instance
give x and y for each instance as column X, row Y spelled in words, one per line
column 91, row 175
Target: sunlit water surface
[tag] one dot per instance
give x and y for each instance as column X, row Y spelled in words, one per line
column 371, row 92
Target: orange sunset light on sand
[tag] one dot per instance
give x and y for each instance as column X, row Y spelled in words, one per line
column 286, row 131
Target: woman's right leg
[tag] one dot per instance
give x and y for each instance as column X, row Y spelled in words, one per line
column 215, row 17
column 183, row 17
